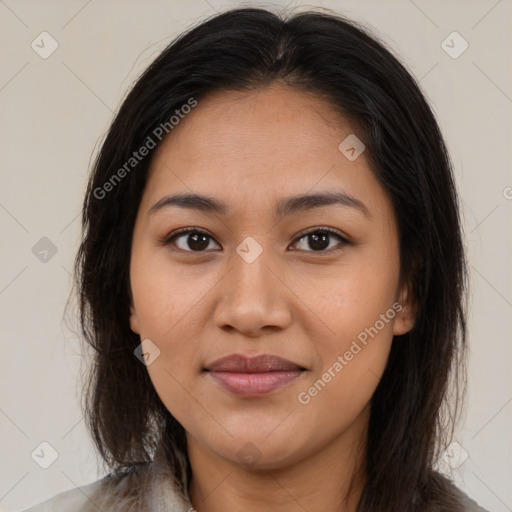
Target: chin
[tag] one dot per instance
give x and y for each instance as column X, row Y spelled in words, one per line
column 260, row 453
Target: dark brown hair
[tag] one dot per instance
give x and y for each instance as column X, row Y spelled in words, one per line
column 343, row 63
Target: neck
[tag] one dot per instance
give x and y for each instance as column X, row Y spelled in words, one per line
column 325, row 481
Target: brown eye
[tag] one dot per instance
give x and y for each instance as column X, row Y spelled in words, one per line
column 319, row 240
column 190, row 240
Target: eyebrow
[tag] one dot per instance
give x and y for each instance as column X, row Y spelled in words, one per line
column 284, row 208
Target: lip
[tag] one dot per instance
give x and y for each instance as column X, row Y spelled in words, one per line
column 253, row 376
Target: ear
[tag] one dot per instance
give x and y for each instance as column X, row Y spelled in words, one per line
column 134, row 321
column 405, row 316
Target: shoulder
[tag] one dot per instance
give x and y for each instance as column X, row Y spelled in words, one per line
column 146, row 487
column 467, row 504
column 113, row 491
column 72, row 499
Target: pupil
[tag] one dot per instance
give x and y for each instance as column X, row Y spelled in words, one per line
column 319, row 242
column 200, row 239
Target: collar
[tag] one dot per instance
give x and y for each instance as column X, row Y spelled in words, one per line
column 169, row 480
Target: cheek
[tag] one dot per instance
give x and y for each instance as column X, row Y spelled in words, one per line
column 358, row 309
column 352, row 366
column 167, row 303
column 357, row 296
column 171, row 376
column 165, row 295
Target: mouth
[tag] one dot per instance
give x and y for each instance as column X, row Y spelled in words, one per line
column 249, row 377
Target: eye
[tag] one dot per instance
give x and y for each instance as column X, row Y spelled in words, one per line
column 198, row 240
column 319, row 239
column 194, row 239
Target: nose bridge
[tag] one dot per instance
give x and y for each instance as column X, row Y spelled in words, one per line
column 250, row 277
column 250, row 262
column 251, row 296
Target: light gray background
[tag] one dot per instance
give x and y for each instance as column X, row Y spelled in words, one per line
column 54, row 112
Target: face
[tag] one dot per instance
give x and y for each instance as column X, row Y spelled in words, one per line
column 258, row 272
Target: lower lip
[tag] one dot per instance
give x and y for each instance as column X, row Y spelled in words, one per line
column 254, row 384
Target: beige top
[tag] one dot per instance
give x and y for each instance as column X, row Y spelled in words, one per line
column 149, row 487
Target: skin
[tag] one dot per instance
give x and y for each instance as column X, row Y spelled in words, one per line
column 250, row 150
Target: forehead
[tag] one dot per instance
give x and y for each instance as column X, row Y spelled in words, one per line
column 272, row 141
column 261, row 129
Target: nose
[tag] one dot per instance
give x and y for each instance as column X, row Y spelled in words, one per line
column 253, row 297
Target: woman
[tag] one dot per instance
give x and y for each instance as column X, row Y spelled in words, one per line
column 273, row 279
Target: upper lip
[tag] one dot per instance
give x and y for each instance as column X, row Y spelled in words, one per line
column 255, row 364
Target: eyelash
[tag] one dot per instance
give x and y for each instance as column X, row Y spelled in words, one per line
column 188, row 231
